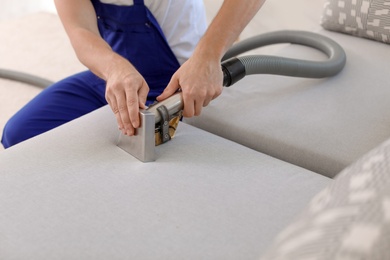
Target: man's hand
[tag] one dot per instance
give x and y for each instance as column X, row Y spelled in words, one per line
column 126, row 89
column 126, row 92
column 200, row 79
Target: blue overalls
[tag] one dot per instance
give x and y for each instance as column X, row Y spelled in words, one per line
column 131, row 31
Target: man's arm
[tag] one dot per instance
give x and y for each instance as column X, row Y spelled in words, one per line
column 200, row 78
column 126, row 89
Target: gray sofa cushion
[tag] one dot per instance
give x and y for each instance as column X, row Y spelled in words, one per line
column 350, row 219
column 320, row 124
column 72, row 193
column 369, row 19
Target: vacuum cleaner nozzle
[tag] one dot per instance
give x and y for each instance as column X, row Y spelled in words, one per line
column 158, row 125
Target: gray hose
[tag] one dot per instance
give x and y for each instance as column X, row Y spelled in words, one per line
column 237, row 68
column 25, row 78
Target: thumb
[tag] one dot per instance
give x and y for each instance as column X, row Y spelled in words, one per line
column 171, row 89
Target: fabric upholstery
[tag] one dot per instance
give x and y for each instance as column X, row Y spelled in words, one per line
column 71, row 193
column 363, row 18
column 350, row 219
column 319, row 124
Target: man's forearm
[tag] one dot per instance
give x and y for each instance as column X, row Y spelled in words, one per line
column 96, row 54
column 79, row 20
column 227, row 25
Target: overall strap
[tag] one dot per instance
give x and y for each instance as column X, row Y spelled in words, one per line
column 139, row 2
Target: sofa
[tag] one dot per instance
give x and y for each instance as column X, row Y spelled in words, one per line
column 274, row 168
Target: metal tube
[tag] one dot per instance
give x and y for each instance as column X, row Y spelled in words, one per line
column 174, row 104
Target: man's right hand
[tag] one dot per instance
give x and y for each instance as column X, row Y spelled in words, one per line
column 126, row 89
column 126, row 92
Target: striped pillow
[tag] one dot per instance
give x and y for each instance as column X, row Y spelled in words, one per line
column 363, row 18
column 349, row 219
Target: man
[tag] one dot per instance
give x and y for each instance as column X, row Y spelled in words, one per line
column 136, row 52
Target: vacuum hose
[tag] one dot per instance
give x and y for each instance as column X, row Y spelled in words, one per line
column 25, row 78
column 235, row 68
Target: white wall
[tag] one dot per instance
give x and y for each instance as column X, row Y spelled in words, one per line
column 16, row 8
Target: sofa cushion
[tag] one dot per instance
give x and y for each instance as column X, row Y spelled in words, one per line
column 319, row 124
column 350, row 219
column 362, row 18
column 71, row 193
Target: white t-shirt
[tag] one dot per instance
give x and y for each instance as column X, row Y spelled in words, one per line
column 182, row 21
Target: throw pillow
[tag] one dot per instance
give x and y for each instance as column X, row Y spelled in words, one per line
column 362, row 18
column 350, row 219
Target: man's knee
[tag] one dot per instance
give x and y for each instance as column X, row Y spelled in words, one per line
column 11, row 134
column 14, row 132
